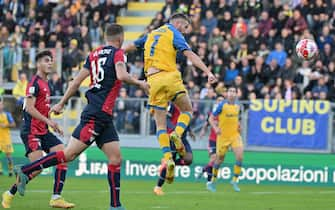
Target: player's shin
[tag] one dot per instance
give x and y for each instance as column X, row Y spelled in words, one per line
column 164, row 142
column 10, row 165
column 215, row 171
column 47, row 161
column 182, row 123
column 209, row 170
column 114, row 184
column 60, row 175
column 237, row 170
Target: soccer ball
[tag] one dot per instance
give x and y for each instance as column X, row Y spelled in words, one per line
column 306, row 49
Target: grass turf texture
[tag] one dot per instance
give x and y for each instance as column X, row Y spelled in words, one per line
column 93, row 194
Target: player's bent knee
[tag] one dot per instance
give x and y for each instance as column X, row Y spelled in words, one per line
column 115, row 160
column 70, row 156
column 188, row 159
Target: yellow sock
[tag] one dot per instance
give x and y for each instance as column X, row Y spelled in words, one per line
column 10, row 166
column 164, row 142
column 237, row 170
column 215, row 171
column 182, row 123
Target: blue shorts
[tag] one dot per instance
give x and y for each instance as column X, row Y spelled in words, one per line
column 95, row 126
column 187, row 146
column 39, row 142
column 211, row 147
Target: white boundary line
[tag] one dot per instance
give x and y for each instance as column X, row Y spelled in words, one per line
column 192, row 192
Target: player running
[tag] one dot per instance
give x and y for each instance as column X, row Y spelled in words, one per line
column 228, row 135
column 165, row 81
column 106, row 68
column 211, row 143
column 35, row 133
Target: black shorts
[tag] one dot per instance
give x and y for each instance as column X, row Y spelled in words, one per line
column 39, row 142
column 187, row 146
column 95, row 126
column 211, row 147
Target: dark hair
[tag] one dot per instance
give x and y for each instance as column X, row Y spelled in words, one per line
column 42, row 54
column 179, row 16
column 113, row 29
column 232, row 86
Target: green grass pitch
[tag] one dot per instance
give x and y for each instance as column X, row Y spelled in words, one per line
column 92, row 194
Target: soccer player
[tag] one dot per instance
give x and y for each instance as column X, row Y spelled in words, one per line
column 173, row 114
column 166, row 84
column 211, row 143
column 6, row 122
column 106, row 68
column 228, row 135
column 35, row 134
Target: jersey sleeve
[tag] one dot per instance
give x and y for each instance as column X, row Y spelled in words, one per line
column 32, row 89
column 119, row 56
column 179, row 41
column 139, row 43
column 218, row 109
column 87, row 63
column 9, row 117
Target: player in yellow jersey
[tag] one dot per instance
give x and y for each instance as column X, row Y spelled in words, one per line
column 6, row 122
column 160, row 51
column 228, row 135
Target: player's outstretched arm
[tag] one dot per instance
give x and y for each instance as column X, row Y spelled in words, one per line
column 122, row 74
column 196, row 60
column 71, row 90
column 129, row 48
column 137, row 44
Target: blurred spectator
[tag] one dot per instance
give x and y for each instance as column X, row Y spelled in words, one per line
column 278, row 54
column 320, row 87
column 56, row 85
column 265, row 24
column 19, row 90
column 120, row 110
column 210, row 22
column 168, row 9
column 297, row 23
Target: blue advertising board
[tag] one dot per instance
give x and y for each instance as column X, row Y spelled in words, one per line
column 290, row 124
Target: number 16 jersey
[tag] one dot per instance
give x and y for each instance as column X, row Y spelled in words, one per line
column 104, row 87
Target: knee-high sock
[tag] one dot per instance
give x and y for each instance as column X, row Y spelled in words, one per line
column 215, row 171
column 13, row 189
column 209, row 170
column 114, row 184
column 51, row 159
column 10, row 164
column 161, row 178
column 182, row 123
column 60, row 175
column 237, row 170
column 164, row 142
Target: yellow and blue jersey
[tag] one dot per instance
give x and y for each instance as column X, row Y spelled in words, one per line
column 6, row 119
column 228, row 117
column 161, row 47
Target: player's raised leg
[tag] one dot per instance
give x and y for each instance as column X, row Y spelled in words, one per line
column 183, row 102
column 72, row 150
